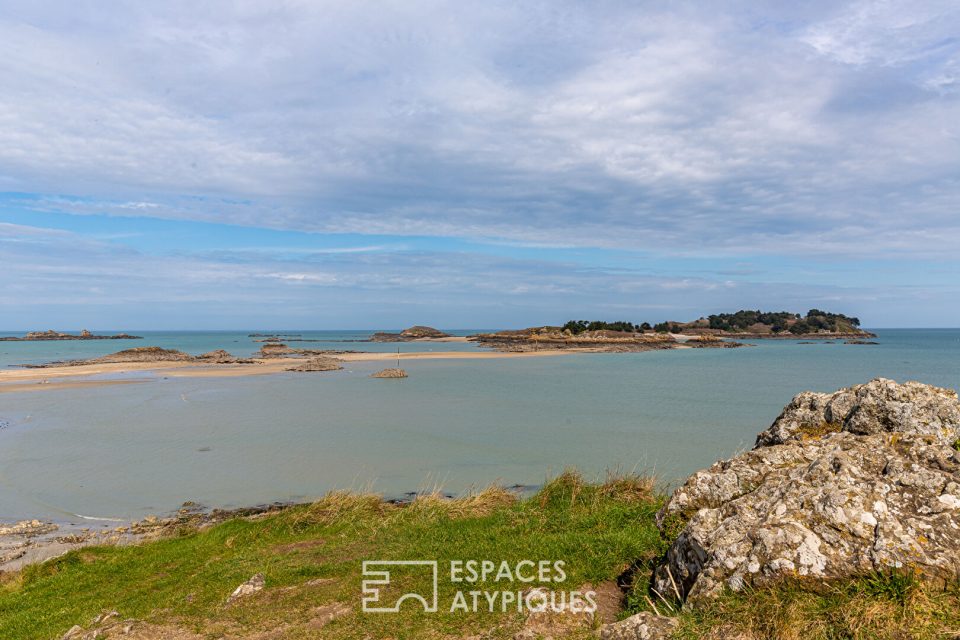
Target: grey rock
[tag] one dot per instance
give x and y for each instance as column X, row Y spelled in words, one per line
column 880, row 488
column 642, row 626
column 250, row 587
column 72, row 632
column 879, row 406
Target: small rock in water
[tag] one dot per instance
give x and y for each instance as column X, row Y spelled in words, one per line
column 251, row 586
column 390, row 373
column 320, row 363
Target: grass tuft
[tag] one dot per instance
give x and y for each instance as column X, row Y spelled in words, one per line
column 479, row 504
column 342, row 507
column 883, row 605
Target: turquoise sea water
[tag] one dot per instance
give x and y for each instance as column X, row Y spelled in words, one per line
column 239, row 343
column 128, row 450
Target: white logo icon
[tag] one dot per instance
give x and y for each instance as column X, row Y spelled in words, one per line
column 378, row 574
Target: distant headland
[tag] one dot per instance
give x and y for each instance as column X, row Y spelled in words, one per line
column 56, row 335
column 715, row 331
column 765, row 324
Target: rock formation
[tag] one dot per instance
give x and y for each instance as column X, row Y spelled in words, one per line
column 417, row 332
column 319, row 363
column 274, row 350
column 220, row 356
column 149, row 354
column 390, row 373
column 542, row 338
column 840, row 484
column 141, row 354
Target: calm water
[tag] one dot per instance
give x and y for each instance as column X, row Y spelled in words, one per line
column 128, row 450
column 239, row 343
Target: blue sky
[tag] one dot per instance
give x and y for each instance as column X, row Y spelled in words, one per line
column 333, row 165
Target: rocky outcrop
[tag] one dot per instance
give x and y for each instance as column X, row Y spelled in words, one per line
column 879, row 406
column 390, row 373
column 149, row 354
column 142, row 354
column 417, row 332
column 840, row 484
column 275, row 350
column 544, row 338
column 56, row 335
column 319, row 363
column 220, row 356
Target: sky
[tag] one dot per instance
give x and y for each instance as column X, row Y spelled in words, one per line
column 175, row 165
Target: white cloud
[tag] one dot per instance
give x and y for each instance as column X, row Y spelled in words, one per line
column 680, row 129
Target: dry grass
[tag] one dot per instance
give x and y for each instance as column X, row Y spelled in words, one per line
column 343, row 507
column 472, row 505
column 628, row 487
column 815, row 431
column 889, row 606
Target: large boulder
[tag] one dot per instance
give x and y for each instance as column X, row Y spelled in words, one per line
column 841, row 484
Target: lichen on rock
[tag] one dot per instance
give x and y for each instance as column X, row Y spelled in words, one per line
column 841, row 484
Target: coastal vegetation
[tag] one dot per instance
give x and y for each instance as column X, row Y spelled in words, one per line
column 753, row 323
column 576, row 327
column 815, row 321
column 310, row 557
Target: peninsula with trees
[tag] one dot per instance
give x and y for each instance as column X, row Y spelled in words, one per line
column 718, row 330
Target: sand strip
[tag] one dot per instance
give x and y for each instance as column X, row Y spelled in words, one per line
column 74, row 376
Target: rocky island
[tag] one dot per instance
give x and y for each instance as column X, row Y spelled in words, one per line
column 417, row 332
column 780, row 324
column 715, row 331
column 599, row 340
column 56, row 335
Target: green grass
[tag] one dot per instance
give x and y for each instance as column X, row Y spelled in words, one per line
column 311, row 556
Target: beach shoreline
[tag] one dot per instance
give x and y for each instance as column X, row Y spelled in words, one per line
column 78, row 376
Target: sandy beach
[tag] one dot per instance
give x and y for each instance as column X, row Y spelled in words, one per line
column 66, row 377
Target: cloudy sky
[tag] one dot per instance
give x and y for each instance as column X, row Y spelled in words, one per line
column 476, row 164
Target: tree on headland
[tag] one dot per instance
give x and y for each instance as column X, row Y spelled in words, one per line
column 579, row 326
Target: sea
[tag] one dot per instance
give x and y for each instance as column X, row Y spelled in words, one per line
column 121, row 452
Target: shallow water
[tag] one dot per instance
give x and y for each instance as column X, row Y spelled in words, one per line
column 128, row 450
